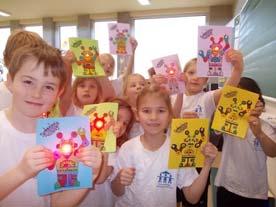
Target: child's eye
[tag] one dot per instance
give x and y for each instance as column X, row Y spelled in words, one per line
column 50, row 88
column 146, row 111
column 27, row 82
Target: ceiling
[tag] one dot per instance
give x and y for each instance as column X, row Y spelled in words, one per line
column 33, row 9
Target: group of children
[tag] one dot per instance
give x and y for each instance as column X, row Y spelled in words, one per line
column 40, row 79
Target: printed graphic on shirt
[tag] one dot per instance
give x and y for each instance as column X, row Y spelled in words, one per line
column 187, row 138
column 165, row 180
column 198, row 110
column 233, row 110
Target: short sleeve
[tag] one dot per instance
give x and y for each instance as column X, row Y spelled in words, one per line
column 186, row 177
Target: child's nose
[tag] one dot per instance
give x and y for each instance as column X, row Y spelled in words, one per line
column 36, row 93
column 153, row 116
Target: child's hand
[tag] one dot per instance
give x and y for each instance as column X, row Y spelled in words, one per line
column 90, row 156
column 69, row 57
column 34, row 160
column 126, row 176
column 190, row 115
column 159, row 79
column 210, row 152
column 133, row 43
column 255, row 125
column 236, row 58
column 257, row 111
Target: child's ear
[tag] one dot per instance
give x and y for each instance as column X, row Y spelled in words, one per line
column 9, row 82
column 60, row 92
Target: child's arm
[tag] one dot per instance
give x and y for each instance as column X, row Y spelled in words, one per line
column 194, row 191
column 105, row 170
column 33, row 161
column 268, row 145
column 128, row 69
column 236, row 58
column 90, row 156
column 124, row 178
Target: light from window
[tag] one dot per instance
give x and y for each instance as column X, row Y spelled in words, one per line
column 4, row 35
column 101, row 34
column 165, row 36
column 36, row 29
column 65, row 33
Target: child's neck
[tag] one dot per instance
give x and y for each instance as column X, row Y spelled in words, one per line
column 153, row 142
column 188, row 93
column 20, row 122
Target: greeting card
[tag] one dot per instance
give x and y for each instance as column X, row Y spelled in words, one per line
column 64, row 137
column 233, row 110
column 86, row 52
column 213, row 43
column 169, row 67
column 119, row 39
column 102, row 117
column 187, row 138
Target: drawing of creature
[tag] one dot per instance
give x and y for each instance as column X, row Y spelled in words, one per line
column 172, row 75
column 189, row 145
column 215, row 54
column 233, row 113
column 66, row 163
column 99, row 126
column 120, row 40
column 87, row 59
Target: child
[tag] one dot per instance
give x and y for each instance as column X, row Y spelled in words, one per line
column 198, row 103
column 108, row 64
column 35, row 79
column 143, row 160
column 85, row 91
column 132, row 86
column 242, row 175
column 101, row 195
column 17, row 39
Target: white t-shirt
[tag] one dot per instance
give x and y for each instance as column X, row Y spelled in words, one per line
column 203, row 103
column 73, row 111
column 13, row 145
column 243, row 168
column 5, row 96
column 154, row 184
column 136, row 130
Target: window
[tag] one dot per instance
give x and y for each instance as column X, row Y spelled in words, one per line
column 165, row 36
column 65, row 32
column 4, row 35
column 36, row 29
column 101, row 34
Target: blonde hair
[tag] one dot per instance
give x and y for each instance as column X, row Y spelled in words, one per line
column 44, row 54
column 80, row 80
column 20, row 38
column 157, row 91
column 191, row 62
column 125, row 81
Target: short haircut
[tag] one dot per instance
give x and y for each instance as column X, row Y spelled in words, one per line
column 45, row 54
column 20, row 38
column 189, row 64
column 80, row 80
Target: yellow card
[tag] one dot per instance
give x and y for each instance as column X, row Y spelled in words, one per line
column 102, row 117
column 187, row 138
column 233, row 110
column 86, row 52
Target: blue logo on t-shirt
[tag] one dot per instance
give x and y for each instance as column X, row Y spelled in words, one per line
column 165, row 179
column 198, row 110
column 257, row 145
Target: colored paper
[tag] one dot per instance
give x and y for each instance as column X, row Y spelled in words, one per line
column 213, row 43
column 64, row 137
column 102, row 118
column 86, row 52
column 233, row 110
column 188, row 136
column 169, row 67
column 119, row 39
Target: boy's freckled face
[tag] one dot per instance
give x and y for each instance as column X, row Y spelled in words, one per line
column 194, row 84
column 33, row 92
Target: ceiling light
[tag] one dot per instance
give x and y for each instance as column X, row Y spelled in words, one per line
column 4, row 14
column 144, row 2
